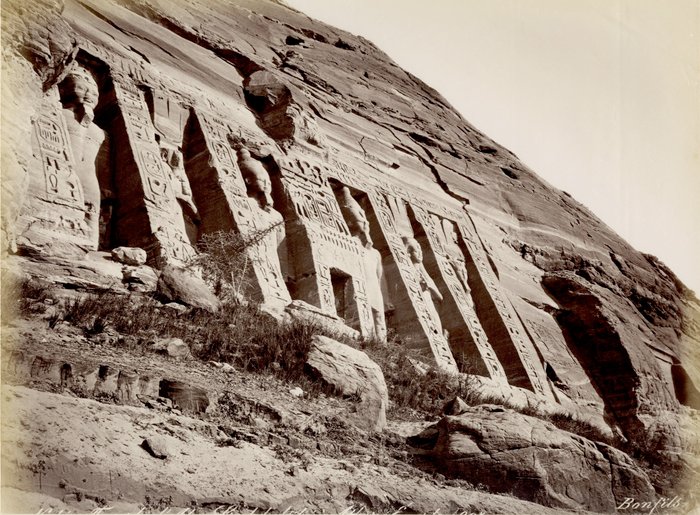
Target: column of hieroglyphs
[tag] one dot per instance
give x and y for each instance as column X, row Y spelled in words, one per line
column 407, row 259
column 225, row 204
column 164, row 236
column 524, row 352
column 321, row 241
column 451, row 263
column 169, row 117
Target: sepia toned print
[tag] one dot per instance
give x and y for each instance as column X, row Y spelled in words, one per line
column 250, row 265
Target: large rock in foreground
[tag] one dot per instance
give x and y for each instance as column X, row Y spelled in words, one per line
column 532, row 459
column 351, row 373
column 178, row 285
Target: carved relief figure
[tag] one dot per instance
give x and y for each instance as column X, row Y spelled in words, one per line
column 79, row 95
column 169, row 118
column 172, row 156
column 355, row 216
column 455, row 256
column 376, row 287
column 429, row 289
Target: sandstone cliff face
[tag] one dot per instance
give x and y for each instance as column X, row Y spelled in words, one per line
column 151, row 123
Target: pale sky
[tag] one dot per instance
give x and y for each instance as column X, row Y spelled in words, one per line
column 601, row 98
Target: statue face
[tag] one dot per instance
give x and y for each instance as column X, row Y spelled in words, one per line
column 414, row 250
column 86, row 91
column 264, row 184
column 80, row 88
column 262, row 187
column 79, row 92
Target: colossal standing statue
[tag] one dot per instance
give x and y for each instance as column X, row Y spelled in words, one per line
column 429, row 289
column 255, row 177
column 375, row 281
column 172, row 156
column 266, row 223
column 79, row 95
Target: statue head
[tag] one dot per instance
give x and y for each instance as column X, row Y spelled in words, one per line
column 79, row 92
column 413, row 248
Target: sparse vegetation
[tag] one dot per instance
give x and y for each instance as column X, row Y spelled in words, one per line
column 20, row 296
column 225, row 259
column 252, row 340
column 238, row 334
column 410, row 387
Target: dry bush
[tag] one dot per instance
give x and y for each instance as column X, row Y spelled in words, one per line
column 126, row 314
column 20, row 296
column 409, row 388
column 226, row 259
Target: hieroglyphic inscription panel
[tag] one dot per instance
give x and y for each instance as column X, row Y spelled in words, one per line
column 159, row 197
column 332, row 244
column 432, row 228
column 438, row 343
column 62, row 185
column 55, row 181
column 524, row 347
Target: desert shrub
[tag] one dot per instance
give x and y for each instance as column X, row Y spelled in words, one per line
column 409, row 388
column 126, row 314
column 20, row 295
column 286, row 344
column 226, row 258
column 238, row 334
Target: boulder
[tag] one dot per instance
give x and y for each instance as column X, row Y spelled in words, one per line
column 298, row 310
column 140, row 278
column 133, row 256
column 179, row 285
column 351, row 373
column 455, row 407
column 173, row 347
column 156, row 446
column 297, row 392
column 531, row 459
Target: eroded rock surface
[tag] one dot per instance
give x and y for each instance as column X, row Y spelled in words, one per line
column 532, row 459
